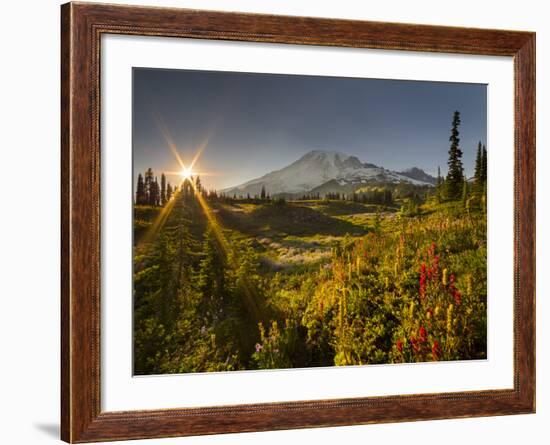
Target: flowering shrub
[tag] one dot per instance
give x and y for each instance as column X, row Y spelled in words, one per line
column 409, row 297
column 412, row 289
column 440, row 324
column 275, row 346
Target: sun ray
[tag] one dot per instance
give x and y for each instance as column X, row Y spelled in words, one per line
column 228, row 251
column 188, row 173
column 199, row 151
column 195, row 173
column 158, row 222
column 168, row 138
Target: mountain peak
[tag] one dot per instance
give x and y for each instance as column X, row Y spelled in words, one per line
column 318, row 167
column 333, row 158
column 325, row 154
column 418, row 174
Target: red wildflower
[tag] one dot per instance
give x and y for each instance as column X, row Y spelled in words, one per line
column 457, row 296
column 435, row 265
column 399, row 345
column 422, row 281
column 454, row 291
column 414, row 344
column 422, row 334
column 436, row 351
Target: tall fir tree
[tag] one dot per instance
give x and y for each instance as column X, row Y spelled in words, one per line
column 262, row 194
column 211, row 275
column 155, row 193
column 478, row 166
column 169, row 192
column 455, row 175
column 141, row 196
column 149, row 186
column 162, row 189
column 198, row 184
column 484, row 164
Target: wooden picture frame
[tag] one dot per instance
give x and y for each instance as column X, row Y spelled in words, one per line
column 82, row 25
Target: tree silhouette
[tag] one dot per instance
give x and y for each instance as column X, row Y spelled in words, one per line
column 154, row 194
column 149, row 186
column 211, row 276
column 162, row 189
column 478, row 167
column 484, row 164
column 455, row 175
column 141, row 196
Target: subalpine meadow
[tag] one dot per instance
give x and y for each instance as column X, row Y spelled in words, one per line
column 384, row 270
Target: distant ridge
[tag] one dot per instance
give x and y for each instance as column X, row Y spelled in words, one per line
column 418, row 174
column 319, row 167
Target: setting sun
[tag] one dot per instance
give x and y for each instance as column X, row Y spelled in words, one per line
column 246, row 260
column 186, row 173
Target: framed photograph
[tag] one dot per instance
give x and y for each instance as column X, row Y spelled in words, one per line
column 275, row 222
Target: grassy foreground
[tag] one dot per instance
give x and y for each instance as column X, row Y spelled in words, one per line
column 225, row 284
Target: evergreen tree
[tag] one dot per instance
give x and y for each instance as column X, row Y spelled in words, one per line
column 246, row 283
column 169, row 192
column 262, row 194
column 148, row 186
column 211, row 277
column 185, row 244
column 478, row 167
column 155, row 193
column 484, row 198
column 141, row 196
column 455, row 175
column 198, row 184
column 187, row 189
column 484, row 164
column 165, row 271
column 162, row 189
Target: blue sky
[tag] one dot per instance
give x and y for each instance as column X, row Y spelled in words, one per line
column 252, row 124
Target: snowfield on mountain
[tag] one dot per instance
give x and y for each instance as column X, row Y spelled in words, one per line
column 318, row 167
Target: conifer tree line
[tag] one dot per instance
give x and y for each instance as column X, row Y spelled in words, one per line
column 150, row 192
column 193, row 298
column 209, row 296
column 455, row 185
column 381, row 197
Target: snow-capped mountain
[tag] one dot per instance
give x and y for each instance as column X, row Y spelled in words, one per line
column 319, row 167
column 419, row 174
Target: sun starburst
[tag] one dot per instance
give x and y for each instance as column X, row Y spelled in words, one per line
column 186, row 173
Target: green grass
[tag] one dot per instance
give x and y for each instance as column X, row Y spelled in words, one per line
column 308, row 283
